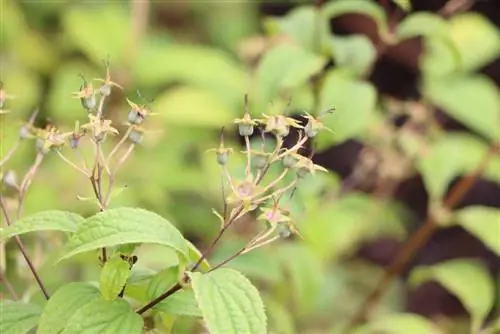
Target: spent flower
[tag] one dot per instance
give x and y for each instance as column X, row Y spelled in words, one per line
column 279, row 124
column 314, row 124
column 105, row 89
column 86, row 94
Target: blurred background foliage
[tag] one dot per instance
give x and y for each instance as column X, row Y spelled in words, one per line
column 400, row 134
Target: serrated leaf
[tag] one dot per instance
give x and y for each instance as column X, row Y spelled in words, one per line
column 468, row 280
column 63, row 304
column 18, row 317
column 105, row 317
column 123, row 226
column 483, row 222
column 354, row 103
column 114, row 275
column 365, row 7
column 400, row 323
column 229, row 303
column 53, row 220
column 182, row 303
column 452, row 155
column 284, row 67
column 472, row 100
column 355, row 53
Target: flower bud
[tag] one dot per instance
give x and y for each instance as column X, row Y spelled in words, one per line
column 89, row 103
column 10, row 179
column 245, row 129
column 135, row 117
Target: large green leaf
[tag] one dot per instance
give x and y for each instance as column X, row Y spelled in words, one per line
column 105, row 317
column 354, row 102
column 18, row 317
column 452, row 155
column 365, row 7
column 473, row 100
column 63, row 304
column 400, row 323
column 124, row 226
column 114, row 275
column 52, row 220
column 484, row 223
column 468, row 280
column 355, row 53
column 229, row 303
column 422, row 24
column 284, row 67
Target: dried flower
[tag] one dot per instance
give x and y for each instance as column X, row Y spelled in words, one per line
column 105, row 89
column 86, row 95
column 306, row 166
column 279, row 124
column 246, row 124
column 137, row 113
column 314, row 125
column 100, row 127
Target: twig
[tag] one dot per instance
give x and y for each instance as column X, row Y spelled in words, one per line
column 25, row 184
column 21, row 247
column 8, row 286
column 416, row 242
column 10, row 153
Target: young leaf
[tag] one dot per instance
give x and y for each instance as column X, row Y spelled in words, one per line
column 468, row 280
column 123, row 226
column 18, row 317
column 114, row 275
column 44, row 221
column 400, row 323
column 472, row 100
column 454, row 154
column 337, row 8
column 229, row 302
column 104, row 316
column 354, row 101
column 63, row 304
column 483, row 222
column 284, row 67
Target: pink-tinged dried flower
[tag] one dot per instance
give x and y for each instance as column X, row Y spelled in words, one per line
column 274, row 215
column 244, row 191
column 50, row 138
column 314, row 125
column 99, row 127
column 279, row 124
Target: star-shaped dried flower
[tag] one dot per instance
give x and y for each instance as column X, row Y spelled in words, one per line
column 279, row 124
column 244, row 191
column 305, row 166
column 99, row 127
column 314, row 125
column 86, row 95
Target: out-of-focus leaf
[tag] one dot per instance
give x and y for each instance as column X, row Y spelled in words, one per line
column 354, row 103
column 422, row 24
column 405, row 5
column 340, row 7
column 400, row 323
column 280, row 319
column 114, row 275
column 452, row 155
column 104, row 316
column 336, row 229
column 284, row 67
column 477, row 40
column 304, row 24
column 122, row 226
column 99, row 30
column 64, row 303
column 229, row 302
column 193, row 107
column 355, row 53
column 468, row 280
column 472, row 100
column 18, row 317
column 181, row 303
column 25, row 87
column 51, row 220
column 483, row 222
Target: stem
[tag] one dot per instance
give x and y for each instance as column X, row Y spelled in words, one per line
column 249, row 155
column 8, row 286
column 23, row 188
column 112, row 175
column 417, row 241
column 21, row 247
column 158, row 299
column 69, row 162
column 10, row 153
column 120, row 143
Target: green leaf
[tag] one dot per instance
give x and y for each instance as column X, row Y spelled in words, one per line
column 301, row 24
column 483, row 222
column 162, row 281
column 473, row 100
column 400, row 323
column 105, row 317
column 468, row 280
column 476, row 39
column 99, row 30
column 123, row 226
column 18, row 317
column 193, row 106
column 63, row 304
column 229, row 302
column 365, row 7
column 452, row 155
column 181, row 303
column 355, row 53
column 194, row 256
column 422, row 24
column 44, row 221
column 405, row 5
column 284, row 67
column 114, row 275
column 354, row 103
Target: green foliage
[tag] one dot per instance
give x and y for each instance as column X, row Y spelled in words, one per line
column 482, row 222
column 394, row 324
column 229, row 302
column 468, row 280
column 18, row 317
column 114, row 275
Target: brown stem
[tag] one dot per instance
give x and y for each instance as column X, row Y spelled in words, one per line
column 416, row 242
column 158, row 299
column 21, row 247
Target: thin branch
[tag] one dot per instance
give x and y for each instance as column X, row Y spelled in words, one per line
column 10, row 153
column 25, row 184
column 8, row 285
column 416, row 242
column 21, row 247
